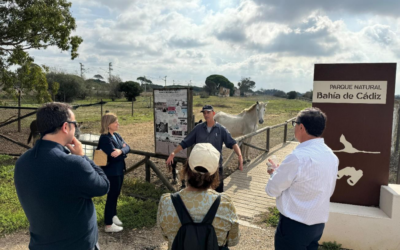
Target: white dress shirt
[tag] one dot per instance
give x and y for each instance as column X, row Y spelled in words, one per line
column 304, row 182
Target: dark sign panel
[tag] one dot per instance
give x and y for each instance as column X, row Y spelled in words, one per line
column 358, row 100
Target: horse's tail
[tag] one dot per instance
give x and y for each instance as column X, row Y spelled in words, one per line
column 30, row 137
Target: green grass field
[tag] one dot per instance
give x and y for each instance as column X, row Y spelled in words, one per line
column 135, row 213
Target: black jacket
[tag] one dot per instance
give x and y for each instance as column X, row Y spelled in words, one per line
column 56, row 190
column 115, row 166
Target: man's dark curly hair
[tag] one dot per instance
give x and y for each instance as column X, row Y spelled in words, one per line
column 51, row 116
column 314, row 121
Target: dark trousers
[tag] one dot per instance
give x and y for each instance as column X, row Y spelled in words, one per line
column 112, row 198
column 96, row 247
column 293, row 235
column 220, row 188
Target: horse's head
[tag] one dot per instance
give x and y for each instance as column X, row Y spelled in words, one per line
column 261, row 111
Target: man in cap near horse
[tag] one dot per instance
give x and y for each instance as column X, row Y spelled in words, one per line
column 212, row 132
column 56, row 188
column 303, row 184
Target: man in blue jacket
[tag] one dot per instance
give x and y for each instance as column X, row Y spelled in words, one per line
column 212, row 132
column 56, row 188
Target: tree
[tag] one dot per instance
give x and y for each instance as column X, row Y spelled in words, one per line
column 131, row 89
column 292, row 95
column 114, row 87
column 245, row 85
column 98, row 76
column 71, row 86
column 146, row 81
column 280, row 93
column 214, row 82
column 308, row 95
column 33, row 24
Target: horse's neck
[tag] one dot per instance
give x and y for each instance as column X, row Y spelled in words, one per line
column 251, row 118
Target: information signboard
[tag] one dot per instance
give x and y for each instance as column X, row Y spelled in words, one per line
column 358, row 100
column 172, row 119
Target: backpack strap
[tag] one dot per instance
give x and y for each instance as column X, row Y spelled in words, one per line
column 181, row 209
column 208, row 219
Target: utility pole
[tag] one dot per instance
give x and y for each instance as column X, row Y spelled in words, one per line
column 165, row 81
column 109, row 70
column 82, row 70
column 190, row 83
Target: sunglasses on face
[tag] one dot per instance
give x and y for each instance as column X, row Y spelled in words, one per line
column 73, row 122
column 295, row 122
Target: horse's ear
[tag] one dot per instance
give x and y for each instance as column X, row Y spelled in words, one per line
column 257, row 102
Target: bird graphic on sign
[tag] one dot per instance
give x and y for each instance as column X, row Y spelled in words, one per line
column 348, row 147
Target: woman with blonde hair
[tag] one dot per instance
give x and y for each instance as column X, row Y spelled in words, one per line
column 116, row 149
column 199, row 203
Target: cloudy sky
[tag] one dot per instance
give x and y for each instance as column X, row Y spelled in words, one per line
column 276, row 43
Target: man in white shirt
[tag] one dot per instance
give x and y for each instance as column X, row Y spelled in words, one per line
column 303, row 184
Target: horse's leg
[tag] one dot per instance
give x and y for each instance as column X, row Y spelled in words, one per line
column 247, row 149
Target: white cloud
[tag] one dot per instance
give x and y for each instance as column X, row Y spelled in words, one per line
column 275, row 44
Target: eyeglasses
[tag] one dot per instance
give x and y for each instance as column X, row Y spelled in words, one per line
column 73, row 122
column 294, row 123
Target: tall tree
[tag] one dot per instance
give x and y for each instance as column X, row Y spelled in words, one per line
column 144, row 82
column 71, row 86
column 114, row 87
column 214, row 82
column 131, row 89
column 98, row 76
column 292, row 95
column 33, row 24
column 245, row 85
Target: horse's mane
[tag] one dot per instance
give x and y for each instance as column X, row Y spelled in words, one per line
column 248, row 109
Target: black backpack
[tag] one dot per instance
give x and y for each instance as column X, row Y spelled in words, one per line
column 195, row 236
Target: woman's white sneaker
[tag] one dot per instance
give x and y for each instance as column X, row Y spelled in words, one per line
column 116, row 221
column 113, row 229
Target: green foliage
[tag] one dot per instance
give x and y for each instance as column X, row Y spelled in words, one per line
column 280, row 93
column 37, row 24
column 12, row 217
column 245, row 85
column 98, row 77
column 330, row 246
column 308, row 95
column 214, row 82
column 71, row 87
column 204, row 95
column 145, row 83
column 114, row 82
column 272, row 217
column 131, row 90
column 292, row 95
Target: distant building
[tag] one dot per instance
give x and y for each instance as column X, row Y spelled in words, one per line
column 223, row 92
column 248, row 93
column 237, row 92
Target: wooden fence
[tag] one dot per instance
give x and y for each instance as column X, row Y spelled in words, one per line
column 150, row 165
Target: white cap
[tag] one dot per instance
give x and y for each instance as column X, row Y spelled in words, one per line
column 206, row 156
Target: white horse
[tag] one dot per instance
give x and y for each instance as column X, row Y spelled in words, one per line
column 243, row 123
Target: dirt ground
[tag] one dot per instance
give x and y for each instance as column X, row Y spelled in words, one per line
column 139, row 136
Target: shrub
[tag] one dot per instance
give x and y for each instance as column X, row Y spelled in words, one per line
column 272, row 218
column 204, row 95
column 330, row 246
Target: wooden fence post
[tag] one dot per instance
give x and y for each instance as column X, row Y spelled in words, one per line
column 268, row 138
column 285, row 133
column 132, row 107
column 101, row 108
column 19, row 110
column 147, row 171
